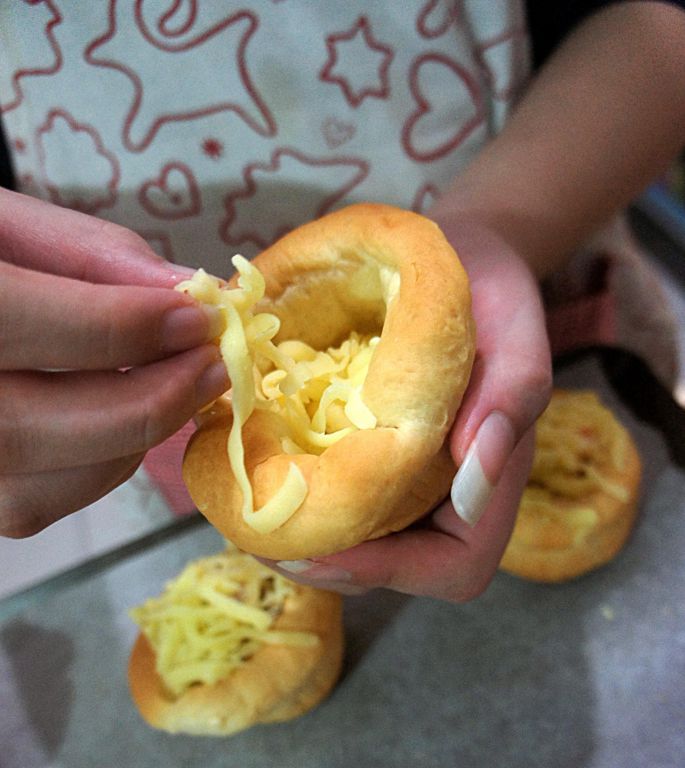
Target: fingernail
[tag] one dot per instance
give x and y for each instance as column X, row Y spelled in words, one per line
column 181, row 272
column 312, row 570
column 482, row 467
column 211, row 384
column 188, row 327
column 295, row 566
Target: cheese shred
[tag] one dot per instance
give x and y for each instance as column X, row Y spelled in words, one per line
column 317, row 394
column 213, row 617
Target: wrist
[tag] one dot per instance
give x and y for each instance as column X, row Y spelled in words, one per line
column 477, row 234
column 488, row 203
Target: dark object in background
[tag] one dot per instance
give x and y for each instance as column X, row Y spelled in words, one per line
column 6, row 171
column 640, row 391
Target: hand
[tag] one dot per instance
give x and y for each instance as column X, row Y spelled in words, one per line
column 99, row 359
column 545, row 192
column 444, row 555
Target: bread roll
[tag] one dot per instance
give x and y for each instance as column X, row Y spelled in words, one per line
column 191, row 636
column 382, row 281
column 580, row 503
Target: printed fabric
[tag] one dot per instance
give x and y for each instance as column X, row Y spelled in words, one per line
column 213, row 128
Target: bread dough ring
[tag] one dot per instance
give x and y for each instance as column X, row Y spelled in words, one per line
column 370, row 269
column 277, row 683
column 580, row 504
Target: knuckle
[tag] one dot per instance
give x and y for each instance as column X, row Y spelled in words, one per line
column 542, row 382
column 161, row 409
column 529, row 398
column 13, row 450
column 112, row 339
column 128, row 472
column 19, row 519
column 154, row 429
column 124, row 330
column 113, row 244
column 541, row 390
column 470, row 588
column 117, row 240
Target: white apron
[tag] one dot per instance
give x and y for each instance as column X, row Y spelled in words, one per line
column 212, row 128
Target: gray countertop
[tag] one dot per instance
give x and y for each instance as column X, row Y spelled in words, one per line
column 590, row 673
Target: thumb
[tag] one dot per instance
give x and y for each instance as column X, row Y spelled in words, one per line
column 509, row 388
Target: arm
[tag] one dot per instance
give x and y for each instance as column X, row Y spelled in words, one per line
column 604, row 116
column 602, row 119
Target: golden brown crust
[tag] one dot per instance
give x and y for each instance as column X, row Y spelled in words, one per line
column 553, row 546
column 277, row 683
column 323, row 281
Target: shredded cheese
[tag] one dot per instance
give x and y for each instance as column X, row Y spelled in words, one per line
column 213, row 617
column 318, row 394
column 328, row 403
column 578, row 441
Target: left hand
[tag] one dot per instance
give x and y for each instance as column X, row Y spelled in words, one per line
column 446, row 555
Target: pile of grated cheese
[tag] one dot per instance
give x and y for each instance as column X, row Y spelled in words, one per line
column 213, row 617
column 576, row 439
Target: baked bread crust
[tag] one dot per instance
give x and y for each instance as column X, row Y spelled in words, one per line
column 554, row 546
column 324, row 280
column 277, row 683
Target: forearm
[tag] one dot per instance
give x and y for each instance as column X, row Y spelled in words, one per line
column 603, row 118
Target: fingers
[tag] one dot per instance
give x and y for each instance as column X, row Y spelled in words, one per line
column 454, row 554
column 55, row 322
column 444, row 557
column 67, row 419
column 81, row 300
column 48, row 238
column 29, row 503
column 512, row 375
column 512, row 370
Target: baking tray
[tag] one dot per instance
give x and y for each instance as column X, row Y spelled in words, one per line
column 590, row 673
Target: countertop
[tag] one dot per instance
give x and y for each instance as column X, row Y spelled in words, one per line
column 590, row 673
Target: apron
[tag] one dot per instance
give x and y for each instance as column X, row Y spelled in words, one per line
column 213, row 128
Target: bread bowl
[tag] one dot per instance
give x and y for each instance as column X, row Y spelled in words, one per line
column 231, row 644
column 581, row 500
column 369, row 281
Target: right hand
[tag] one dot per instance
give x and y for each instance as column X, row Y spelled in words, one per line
column 100, row 359
column 453, row 555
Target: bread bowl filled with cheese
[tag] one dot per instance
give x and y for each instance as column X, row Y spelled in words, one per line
column 580, row 503
column 229, row 644
column 349, row 344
